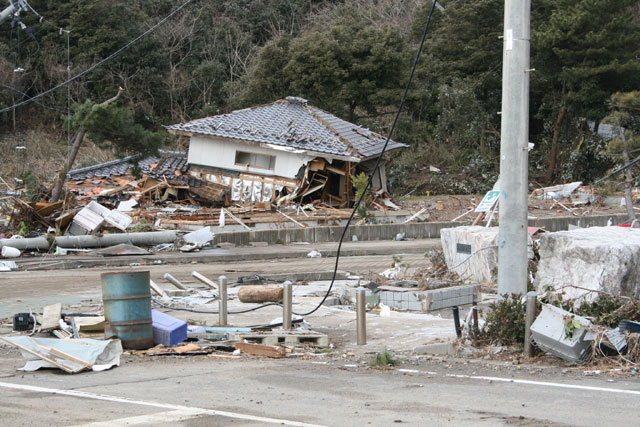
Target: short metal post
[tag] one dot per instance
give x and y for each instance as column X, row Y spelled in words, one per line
column 530, row 316
column 222, row 304
column 174, row 281
column 476, row 327
column 361, row 314
column 456, row 320
column 287, row 305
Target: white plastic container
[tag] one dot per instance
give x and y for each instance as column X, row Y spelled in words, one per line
column 9, row 252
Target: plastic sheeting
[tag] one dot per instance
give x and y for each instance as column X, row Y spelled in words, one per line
column 236, row 190
column 267, row 192
column 247, row 191
column 70, row 355
column 257, row 191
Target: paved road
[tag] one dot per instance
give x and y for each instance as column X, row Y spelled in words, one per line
column 201, row 391
column 323, row 390
column 24, row 290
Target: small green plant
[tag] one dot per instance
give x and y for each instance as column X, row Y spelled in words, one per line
column 360, row 183
column 23, row 229
column 139, row 228
column 383, row 360
column 570, row 326
column 505, row 322
column 397, row 261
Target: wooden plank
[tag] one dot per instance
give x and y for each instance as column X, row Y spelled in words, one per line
column 157, row 289
column 223, row 356
column 261, row 350
column 159, row 186
column 336, row 170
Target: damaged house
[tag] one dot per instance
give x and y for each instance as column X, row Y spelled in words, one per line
column 283, row 151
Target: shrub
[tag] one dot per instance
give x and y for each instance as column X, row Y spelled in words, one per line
column 505, row 322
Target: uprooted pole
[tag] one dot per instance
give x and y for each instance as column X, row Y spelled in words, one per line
column 175, row 282
column 203, row 279
column 514, row 141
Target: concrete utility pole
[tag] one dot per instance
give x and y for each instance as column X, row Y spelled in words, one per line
column 512, row 240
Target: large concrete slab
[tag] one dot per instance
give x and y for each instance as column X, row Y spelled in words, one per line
column 579, row 261
column 472, row 252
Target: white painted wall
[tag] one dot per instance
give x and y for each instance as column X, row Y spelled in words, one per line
column 215, row 152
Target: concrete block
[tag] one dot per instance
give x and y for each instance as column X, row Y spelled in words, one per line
column 599, row 258
column 332, row 301
column 482, row 264
column 438, row 349
column 415, row 306
column 176, row 292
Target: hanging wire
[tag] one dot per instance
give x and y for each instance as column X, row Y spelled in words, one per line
column 105, row 60
column 68, row 89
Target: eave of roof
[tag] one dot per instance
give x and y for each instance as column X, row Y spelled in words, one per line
column 291, row 123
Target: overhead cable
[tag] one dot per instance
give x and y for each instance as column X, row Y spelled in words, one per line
column 384, row 148
column 103, row 61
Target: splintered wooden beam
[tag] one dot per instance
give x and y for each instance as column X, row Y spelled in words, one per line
column 261, row 350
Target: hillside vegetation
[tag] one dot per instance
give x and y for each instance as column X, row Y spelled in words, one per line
column 351, row 58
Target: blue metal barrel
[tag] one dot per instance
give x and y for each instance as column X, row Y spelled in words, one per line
column 127, row 308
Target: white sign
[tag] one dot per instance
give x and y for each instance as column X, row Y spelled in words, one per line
column 488, row 201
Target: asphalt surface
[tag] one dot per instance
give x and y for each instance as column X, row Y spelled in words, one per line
column 336, row 388
column 201, row 391
column 31, row 289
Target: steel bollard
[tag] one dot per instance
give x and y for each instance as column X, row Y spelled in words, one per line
column 287, row 302
column 222, row 303
column 530, row 315
column 361, row 314
column 456, row 320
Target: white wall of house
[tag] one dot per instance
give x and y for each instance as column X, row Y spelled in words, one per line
column 221, row 153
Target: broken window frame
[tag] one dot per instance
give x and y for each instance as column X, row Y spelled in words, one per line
column 252, row 161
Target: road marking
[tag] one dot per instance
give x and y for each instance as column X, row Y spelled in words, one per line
column 547, row 384
column 108, row 398
column 158, row 418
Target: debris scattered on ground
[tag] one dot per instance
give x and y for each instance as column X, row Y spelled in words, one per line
column 261, row 350
column 72, row 355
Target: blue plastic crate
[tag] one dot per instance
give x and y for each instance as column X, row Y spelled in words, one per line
column 167, row 330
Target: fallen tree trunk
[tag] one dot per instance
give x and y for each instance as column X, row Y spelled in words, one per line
column 77, row 140
column 260, row 294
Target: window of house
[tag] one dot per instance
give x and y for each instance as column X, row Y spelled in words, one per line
column 254, row 160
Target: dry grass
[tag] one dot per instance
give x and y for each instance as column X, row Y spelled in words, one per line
column 43, row 155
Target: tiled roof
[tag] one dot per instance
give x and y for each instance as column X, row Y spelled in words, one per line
column 292, row 123
column 167, row 163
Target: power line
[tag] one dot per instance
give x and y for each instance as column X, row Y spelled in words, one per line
column 40, row 104
column 103, row 61
column 373, row 171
